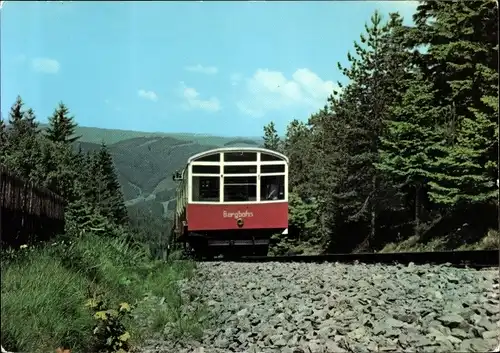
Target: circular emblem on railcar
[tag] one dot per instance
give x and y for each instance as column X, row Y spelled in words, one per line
column 239, row 222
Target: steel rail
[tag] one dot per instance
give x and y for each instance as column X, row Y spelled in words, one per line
column 462, row 258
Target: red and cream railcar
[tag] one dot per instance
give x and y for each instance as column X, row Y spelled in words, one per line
column 232, row 199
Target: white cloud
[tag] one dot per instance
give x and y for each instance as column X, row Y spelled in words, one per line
column 271, row 90
column 149, row 95
column 208, row 70
column 192, row 100
column 45, row 65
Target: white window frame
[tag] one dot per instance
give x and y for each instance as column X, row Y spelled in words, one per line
column 222, row 163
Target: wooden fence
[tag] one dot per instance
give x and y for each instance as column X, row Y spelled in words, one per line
column 28, row 213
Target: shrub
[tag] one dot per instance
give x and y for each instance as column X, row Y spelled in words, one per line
column 109, row 330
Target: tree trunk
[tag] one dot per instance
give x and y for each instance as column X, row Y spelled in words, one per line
column 373, row 211
column 418, row 206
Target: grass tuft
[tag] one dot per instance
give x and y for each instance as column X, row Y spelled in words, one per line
column 44, row 291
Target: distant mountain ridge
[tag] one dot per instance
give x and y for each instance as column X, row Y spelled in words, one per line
column 110, row 136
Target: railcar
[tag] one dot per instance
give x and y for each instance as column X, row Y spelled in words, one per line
column 230, row 201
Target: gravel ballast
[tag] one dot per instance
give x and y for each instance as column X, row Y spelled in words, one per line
column 303, row 307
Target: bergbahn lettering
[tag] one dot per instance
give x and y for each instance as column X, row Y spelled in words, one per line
column 237, row 214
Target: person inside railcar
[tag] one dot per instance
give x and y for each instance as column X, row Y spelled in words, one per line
column 275, row 189
column 272, row 191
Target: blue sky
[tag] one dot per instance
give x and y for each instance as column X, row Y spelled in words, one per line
column 224, row 68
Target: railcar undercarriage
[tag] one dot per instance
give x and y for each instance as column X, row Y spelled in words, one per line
column 228, row 243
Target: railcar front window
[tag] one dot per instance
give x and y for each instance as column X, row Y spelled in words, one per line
column 206, row 188
column 265, row 157
column 240, row 169
column 272, row 187
column 240, row 189
column 273, row 168
column 240, row 157
column 206, row 169
column 215, row 157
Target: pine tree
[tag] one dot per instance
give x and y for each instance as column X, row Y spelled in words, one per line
column 23, row 141
column 297, row 145
column 30, row 123
column 271, row 138
column 109, row 194
column 407, row 149
column 3, row 141
column 22, row 122
column 462, row 61
column 3, row 134
column 16, row 113
column 374, row 79
column 61, row 176
column 61, row 126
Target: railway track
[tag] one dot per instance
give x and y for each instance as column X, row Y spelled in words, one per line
column 464, row 258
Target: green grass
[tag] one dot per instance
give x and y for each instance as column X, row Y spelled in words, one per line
column 44, row 291
column 42, row 305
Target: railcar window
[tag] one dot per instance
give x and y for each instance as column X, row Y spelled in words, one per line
column 210, row 158
column 240, row 169
column 240, row 157
column 205, row 188
column 274, row 168
column 240, row 189
column 272, row 187
column 206, row 169
column 265, row 157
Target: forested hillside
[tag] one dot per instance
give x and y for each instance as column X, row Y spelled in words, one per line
column 406, row 152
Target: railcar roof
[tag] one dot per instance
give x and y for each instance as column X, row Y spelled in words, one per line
column 237, row 149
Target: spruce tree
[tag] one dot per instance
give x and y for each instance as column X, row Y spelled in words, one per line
column 462, row 61
column 4, row 149
column 22, row 122
column 407, row 149
column 109, row 194
column 16, row 113
column 374, row 77
column 61, row 174
column 3, row 135
column 30, row 123
column 24, row 143
column 271, row 138
column 297, row 147
column 61, row 126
